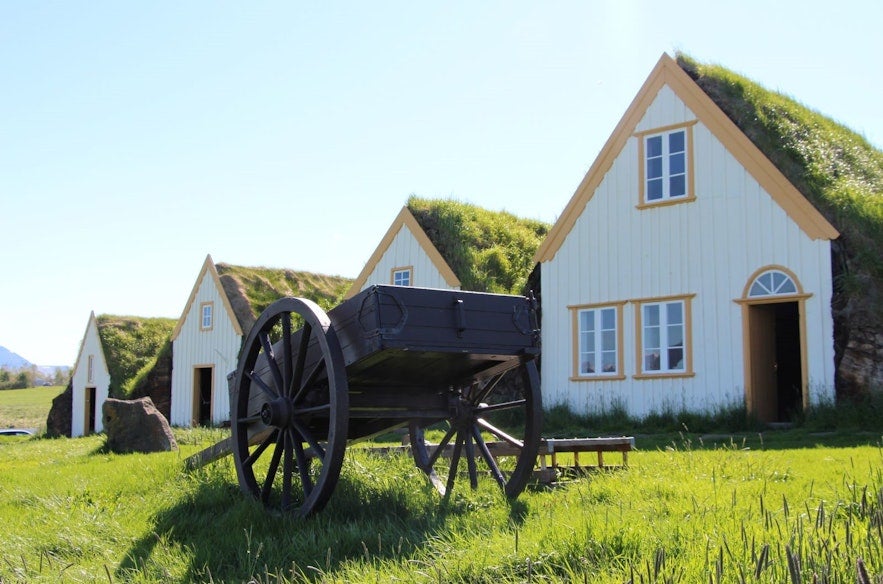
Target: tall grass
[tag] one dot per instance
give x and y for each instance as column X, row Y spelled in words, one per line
column 678, row 514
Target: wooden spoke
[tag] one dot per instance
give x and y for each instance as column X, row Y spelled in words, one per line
column 303, row 465
column 260, row 383
column 455, row 462
column 486, row 409
column 256, row 454
column 250, row 419
column 309, row 439
column 485, row 391
column 488, row 458
column 287, row 366
column 306, row 334
column 470, row 460
column 440, row 448
column 287, row 470
column 274, row 466
column 271, row 360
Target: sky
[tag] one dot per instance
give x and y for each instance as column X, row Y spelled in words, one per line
column 137, row 137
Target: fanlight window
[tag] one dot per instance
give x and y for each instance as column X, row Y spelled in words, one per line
column 772, row 283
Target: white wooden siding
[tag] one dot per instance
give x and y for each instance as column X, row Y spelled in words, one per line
column 218, row 348
column 80, row 381
column 709, row 248
column 406, row 251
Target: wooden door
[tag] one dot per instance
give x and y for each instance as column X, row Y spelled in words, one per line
column 763, row 392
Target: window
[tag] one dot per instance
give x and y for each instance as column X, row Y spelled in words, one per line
column 401, row 276
column 663, row 330
column 597, row 345
column 206, row 316
column 772, row 283
column 90, row 369
column 666, row 161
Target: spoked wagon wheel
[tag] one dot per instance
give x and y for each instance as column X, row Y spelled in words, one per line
column 290, row 408
column 495, row 425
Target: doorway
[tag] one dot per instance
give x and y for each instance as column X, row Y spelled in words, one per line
column 775, row 361
column 203, row 392
column 89, row 411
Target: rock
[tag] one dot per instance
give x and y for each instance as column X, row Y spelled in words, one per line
column 136, row 426
column 58, row 422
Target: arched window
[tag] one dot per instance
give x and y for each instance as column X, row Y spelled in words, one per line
column 772, row 283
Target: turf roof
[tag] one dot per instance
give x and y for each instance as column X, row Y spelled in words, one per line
column 489, row 251
column 837, row 169
column 131, row 343
column 251, row 289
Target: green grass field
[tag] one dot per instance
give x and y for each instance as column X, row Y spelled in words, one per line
column 684, row 513
column 26, row 408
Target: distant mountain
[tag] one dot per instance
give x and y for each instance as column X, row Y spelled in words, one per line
column 10, row 360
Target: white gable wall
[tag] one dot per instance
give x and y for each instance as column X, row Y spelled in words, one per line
column 709, row 247
column 192, row 348
column 405, row 251
column 91, row 346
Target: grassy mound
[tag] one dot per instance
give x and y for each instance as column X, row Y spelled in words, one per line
column 130, row 343
column 490, row 251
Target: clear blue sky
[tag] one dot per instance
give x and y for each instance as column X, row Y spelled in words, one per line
column 136, row 137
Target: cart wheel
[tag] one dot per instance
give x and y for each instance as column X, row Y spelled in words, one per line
column 509, row 414
column 290, row 408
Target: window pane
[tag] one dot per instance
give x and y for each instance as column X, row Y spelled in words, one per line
column 675, row 335
column 651, row 315
column 654, row 146
column 676, row 358
column 651, row 337
column 654, row 167
column 651, row 361
column 788, row 288
column 608, row 362
column 677, row 186
column 586, row 320
column 589, row 343
column 654, row 189
column 587, row 366
column 608, row 318
column 778, row 279
column 674, row 313
column 676, row 141
column 608, row 340
column 677, row 163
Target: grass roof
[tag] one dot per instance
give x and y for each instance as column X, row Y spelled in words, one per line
column 252, row 289
column 838, row 170
column 130, row 344
column 490, row 251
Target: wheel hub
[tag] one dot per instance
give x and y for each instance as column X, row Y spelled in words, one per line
column 277, row 412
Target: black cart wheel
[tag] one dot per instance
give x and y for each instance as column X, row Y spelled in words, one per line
column 290, row 408
column 494, row 425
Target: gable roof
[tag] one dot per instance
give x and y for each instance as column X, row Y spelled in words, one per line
column 404, row 220
column 92, row 323
column 208, row 267
column 668, row 73
column 131, row 343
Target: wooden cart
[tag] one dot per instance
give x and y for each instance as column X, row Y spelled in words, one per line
column 458, row 366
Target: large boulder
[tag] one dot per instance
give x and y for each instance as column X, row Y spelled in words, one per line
column 136, row 426
column 58, row 422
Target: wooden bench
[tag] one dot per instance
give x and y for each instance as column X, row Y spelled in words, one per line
column 551, row 447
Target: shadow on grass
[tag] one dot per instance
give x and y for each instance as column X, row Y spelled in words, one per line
column 228, row 536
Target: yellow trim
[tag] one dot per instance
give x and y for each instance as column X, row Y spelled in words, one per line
column 746, row 302
column 404, row 219
column 620, row 358
column 208, row 267
column 409, row 269
column 691, row 182
column 667, row 72
column 688, row 337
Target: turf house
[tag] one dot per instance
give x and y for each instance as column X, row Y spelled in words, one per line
column 696, row 264
column 222, row 307
column 90, row 383
column 435, row 243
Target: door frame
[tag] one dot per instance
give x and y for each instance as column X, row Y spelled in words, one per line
column 746, row 302
column 197, row 393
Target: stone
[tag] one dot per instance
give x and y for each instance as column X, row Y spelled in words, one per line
column 58, row 422
column 136, row 426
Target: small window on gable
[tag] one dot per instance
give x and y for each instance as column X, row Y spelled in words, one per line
column 401, row 276
column 206, row 321
column 90, row 369
column 666, row 166
column 772, row 283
